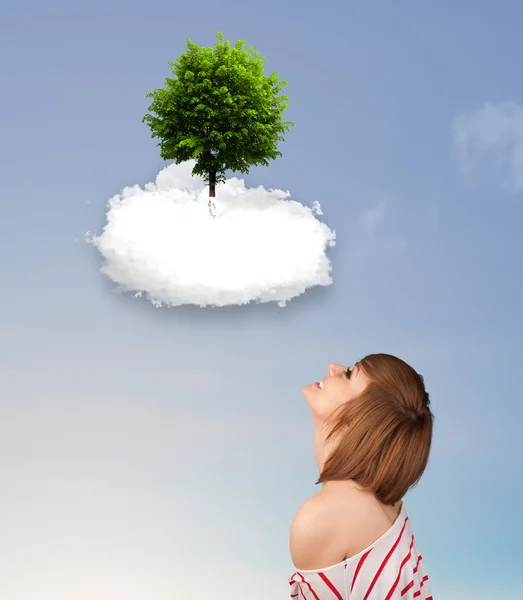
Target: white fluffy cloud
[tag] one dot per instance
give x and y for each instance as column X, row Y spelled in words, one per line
column 492, row 139
column 162, row 242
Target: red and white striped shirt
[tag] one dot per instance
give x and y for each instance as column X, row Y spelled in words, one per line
column 390, row 569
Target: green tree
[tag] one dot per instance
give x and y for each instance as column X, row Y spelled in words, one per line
column 220, row 110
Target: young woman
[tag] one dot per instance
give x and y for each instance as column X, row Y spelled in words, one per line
column 372, row 435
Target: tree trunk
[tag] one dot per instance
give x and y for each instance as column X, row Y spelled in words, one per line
column 212, row 185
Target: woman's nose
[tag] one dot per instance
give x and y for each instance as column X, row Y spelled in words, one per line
column 334, row 368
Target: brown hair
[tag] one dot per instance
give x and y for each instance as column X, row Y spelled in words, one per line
column 384, row 435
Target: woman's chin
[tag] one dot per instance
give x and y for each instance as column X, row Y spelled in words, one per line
column 310, row 390
column 311, row 386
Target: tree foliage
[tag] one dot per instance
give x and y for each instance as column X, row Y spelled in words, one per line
column 220, row 110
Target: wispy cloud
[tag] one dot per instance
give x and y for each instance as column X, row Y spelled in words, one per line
column 492, row 138
column 372, row 220
column 372, row 217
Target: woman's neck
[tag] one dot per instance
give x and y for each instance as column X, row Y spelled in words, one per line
column 321, row 446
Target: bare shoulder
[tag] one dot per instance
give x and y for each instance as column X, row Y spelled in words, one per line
column 335, row 524
column 315, row 538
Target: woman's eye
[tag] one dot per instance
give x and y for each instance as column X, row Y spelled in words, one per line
column 347, row 372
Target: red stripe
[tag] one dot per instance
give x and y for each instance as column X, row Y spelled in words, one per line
column 416, row 594
column 329, row 584
column 310, row 588
column 292, row 581
column 417, row 564
column 360, row 564
column 421, row 584
column 407, row 588
column 385, row 560
column 411, row 584
column 403, row 563
column 301, row 592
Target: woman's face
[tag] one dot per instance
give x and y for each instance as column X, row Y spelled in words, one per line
column 337, row 389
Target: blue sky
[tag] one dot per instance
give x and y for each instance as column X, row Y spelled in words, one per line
column 156, row 452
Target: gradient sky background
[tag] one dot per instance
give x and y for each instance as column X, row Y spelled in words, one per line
column 162, row 453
